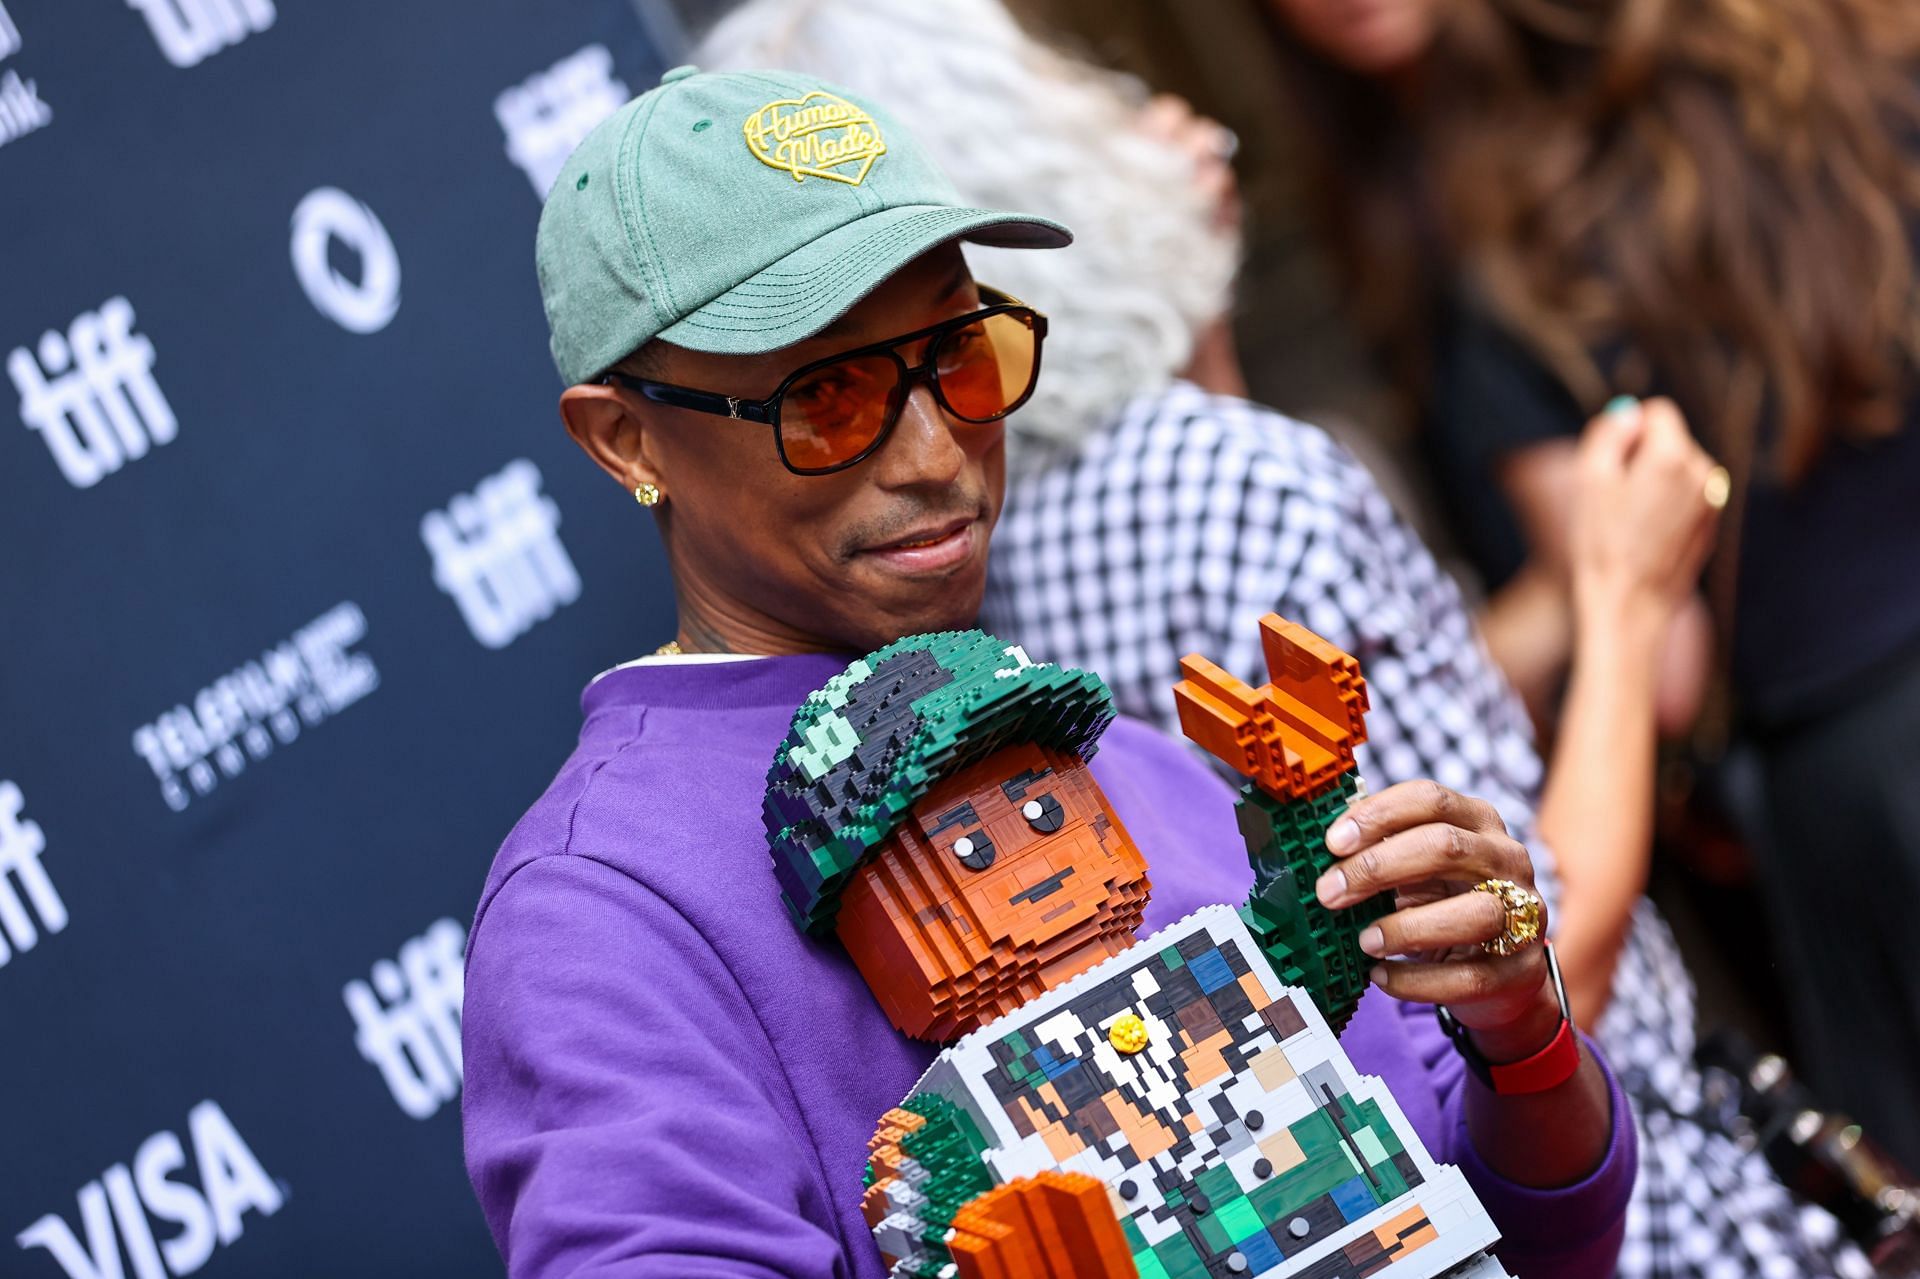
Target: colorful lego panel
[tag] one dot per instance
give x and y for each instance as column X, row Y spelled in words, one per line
column 1237, row 1139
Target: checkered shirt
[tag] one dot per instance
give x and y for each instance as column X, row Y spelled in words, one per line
column 1194, row 515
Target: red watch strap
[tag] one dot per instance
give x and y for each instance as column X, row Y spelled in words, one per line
column 1548, row 1068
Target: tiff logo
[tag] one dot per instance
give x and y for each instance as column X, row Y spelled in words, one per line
column 190, row 30
column 116, row 1206
column 255, row 706
column 497, row 551
column 547, row 115
column 21, row 110
column 21, row 843
column 414, row 1035
column 92, row 395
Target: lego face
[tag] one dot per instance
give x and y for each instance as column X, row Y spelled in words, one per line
column 1009, row 877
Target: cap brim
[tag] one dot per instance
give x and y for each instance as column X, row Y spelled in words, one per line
column 810, row 288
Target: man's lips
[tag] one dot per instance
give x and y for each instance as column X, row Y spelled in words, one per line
column 930, row 549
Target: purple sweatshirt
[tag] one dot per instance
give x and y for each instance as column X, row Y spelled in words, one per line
column 664, row 1078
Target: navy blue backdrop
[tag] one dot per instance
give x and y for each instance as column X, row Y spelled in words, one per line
column 302, row 579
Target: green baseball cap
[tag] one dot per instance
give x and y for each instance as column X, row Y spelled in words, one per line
column 738, row 213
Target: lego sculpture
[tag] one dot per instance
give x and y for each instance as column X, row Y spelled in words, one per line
column 1171, row 1107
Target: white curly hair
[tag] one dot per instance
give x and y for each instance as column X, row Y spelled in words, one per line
column 1018, row 125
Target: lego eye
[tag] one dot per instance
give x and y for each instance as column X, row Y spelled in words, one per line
column 974, row 852
column 1044, row 813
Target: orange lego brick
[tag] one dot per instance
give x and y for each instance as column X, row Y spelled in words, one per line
column 1406, row 1232
column 894, row 1125
column 883, row 1148
column 1294, row 736
column 1219, row 712
column 1322, row 677
column 1089, row 1231
column 1056, row 1225
column 873, row 1202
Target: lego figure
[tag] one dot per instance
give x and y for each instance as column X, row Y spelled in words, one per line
column 1172, row 1106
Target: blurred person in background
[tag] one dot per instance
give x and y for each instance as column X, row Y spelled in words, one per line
column 1148, row 517
column 1541, row 205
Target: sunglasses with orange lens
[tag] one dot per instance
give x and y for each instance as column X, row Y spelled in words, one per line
column 835, row 412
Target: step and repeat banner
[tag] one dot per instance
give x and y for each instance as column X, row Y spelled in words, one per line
column 301, row 580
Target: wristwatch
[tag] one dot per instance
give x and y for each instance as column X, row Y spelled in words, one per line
column 1548, row 1068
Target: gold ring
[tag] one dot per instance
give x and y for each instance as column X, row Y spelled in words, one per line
column 1719, row 488
column 1526, row 916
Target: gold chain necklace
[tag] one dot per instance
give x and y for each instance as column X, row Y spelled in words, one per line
column 669, row 649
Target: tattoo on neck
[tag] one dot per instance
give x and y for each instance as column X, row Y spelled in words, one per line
column 697, row 637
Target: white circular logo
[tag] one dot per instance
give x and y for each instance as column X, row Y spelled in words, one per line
column 365, row 305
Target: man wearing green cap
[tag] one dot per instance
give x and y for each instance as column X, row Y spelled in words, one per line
column 770, row 338
column 736, row 231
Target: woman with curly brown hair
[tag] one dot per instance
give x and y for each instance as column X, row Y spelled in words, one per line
column 1546, row 203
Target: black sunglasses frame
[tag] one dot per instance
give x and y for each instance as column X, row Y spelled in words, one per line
column 767, row 411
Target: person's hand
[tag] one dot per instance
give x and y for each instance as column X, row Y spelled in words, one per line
column 1642, row 524
column 1209, row 144
column 1214, row 363
column 1430, row 846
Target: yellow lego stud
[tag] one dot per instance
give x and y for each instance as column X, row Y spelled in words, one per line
column 1128, row 1034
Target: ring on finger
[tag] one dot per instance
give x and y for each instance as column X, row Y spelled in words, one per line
column 1718, row 489
column 1526, row 916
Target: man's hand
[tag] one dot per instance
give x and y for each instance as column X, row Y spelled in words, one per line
column 1430, row 846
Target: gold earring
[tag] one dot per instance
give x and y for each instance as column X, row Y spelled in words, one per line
column 648, row 494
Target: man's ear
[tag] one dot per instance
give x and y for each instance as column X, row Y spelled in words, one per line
column 602, row 420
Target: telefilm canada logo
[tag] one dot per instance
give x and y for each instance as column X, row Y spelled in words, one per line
column 245, row 715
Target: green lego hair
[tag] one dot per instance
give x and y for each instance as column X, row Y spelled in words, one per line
column 866, row 747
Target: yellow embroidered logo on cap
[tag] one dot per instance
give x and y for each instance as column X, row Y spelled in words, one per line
column 818, row 136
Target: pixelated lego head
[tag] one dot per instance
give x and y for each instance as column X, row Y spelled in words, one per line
column 932, row 806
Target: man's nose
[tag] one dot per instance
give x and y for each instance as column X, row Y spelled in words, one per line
column 925, row 448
